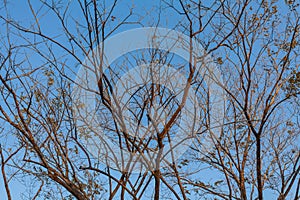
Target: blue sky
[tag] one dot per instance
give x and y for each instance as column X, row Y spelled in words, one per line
column 21, row 12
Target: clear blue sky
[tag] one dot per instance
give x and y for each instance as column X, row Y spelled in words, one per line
column 20, row 11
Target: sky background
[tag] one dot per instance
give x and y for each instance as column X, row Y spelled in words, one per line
column 20, row 11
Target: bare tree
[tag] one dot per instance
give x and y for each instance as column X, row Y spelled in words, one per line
column 253, row 150
column 258, row 141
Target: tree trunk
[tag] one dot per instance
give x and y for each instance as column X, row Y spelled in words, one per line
column 258, row 168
